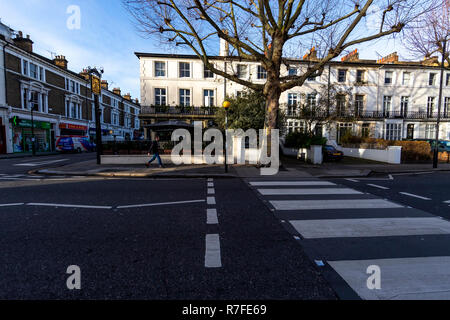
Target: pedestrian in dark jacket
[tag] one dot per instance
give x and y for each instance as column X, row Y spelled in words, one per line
column 154, row 149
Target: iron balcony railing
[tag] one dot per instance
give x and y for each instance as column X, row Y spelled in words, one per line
column 188, row 111
column 416, row 115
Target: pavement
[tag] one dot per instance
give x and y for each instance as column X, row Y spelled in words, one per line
column 290, row 167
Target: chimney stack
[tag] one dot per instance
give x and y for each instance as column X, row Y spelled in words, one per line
column 23, row 43
column 224, row 46
column 105, row 84
column 117, row 91
column 127, row 97
column 85, row 74
column 391, row 58
column 431, row 61
column 61, row 62
column 311, row 55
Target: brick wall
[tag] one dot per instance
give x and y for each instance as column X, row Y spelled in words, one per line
column 13, row 63
column 55, row 79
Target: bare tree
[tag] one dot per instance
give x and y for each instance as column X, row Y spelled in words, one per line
column 430, row 33
column 263, row 30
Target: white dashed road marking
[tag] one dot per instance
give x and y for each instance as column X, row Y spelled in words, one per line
column 212, row 216
column 211, row 200
column 211, row 191
column 290, row 183
column 212, row 254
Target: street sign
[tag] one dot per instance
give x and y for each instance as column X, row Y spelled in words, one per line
column 96, row 85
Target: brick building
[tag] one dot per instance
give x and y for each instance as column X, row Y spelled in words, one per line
column 62, row 100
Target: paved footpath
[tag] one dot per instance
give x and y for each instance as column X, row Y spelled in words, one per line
column 357, row 236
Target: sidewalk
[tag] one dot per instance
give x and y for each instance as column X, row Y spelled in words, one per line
column 349, row 168
column 291, row 168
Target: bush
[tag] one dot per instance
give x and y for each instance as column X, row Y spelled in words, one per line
column 411, row 150
column 303, row 140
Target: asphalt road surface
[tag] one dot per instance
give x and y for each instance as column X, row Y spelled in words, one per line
column 147, row 239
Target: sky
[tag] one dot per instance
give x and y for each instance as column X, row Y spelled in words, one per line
column 107, row 37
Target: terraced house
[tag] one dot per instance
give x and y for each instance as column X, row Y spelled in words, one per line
column 387, row 98
column 59, row 100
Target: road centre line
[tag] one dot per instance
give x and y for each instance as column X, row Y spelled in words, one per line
column 159, row 204
column 212, row 254
column 211, row 200
column 212, row 216
column 414, row 196
column 211, row 191
column 11, row 204
column 68, row 206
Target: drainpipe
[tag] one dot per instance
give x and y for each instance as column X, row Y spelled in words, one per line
column 4, row 68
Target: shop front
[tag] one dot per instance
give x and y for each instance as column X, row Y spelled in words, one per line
column 2, row 137
column 69, row 129
column 22, row 134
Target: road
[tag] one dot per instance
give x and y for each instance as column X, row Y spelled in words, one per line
column 428, row 191
column 259, row 238
column 148, row 239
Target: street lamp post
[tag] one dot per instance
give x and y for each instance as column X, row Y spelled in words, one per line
column 33, row 138
column 96, row 88
column 436, row 143
column 226, row 106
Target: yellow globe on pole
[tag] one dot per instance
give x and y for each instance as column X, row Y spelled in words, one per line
column 226, row 104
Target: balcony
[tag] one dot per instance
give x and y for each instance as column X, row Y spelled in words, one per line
column 165, row 111
column 367, row 115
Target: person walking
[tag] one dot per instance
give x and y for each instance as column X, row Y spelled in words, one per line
column 154, row 149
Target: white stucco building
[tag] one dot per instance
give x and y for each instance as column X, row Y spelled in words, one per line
column 391, row 99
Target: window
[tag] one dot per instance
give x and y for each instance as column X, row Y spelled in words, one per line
column 160, row 69
column 387, row 104
column 430, row 106
column 311, row 100
column 446, row 106
column 25, row 99
column 340, row 104
column 359, row 104
column 25, row 67
column 388, row 77
column 208, row 98
column 34, row 71
column 160, row 97
column 365, row 131
column 292, row 99
column 262, row 73
column 432, row 79
column 242, row 71
column 406, row 78
column 393, row 131
column 404, row 106
column 447, row 81
column 114, row 119
column 311, row 79
column 430, row 131
column 185, row 70
column 295, row 126
column 73, row 110
column 185, row 97
column 239, row 94
column 292, row 71
column 207, row 73
column 360, row 76
column 410, row 132
column 342, row 75
column 72, row 86
column 41, row 74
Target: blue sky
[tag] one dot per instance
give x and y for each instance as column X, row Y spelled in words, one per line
column 107, row 37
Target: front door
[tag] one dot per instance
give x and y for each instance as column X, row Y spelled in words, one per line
column 2, row 138
column 410, row 132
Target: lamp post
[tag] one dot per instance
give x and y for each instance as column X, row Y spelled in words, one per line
column 436, row 143
column 33, row 138
column 96, row 88
column 226, row 105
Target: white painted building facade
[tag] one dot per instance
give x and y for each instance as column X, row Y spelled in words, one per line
column 397, row 100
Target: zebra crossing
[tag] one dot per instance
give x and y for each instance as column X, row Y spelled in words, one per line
column 352, row 232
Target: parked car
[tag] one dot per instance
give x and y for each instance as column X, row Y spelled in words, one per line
column 443, row 146
column 74, row 144
column 330, row 153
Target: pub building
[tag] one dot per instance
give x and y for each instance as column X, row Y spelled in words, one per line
column 59, row 102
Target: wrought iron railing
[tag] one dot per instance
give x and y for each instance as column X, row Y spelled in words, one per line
column 188, row 111
column 415, row 115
